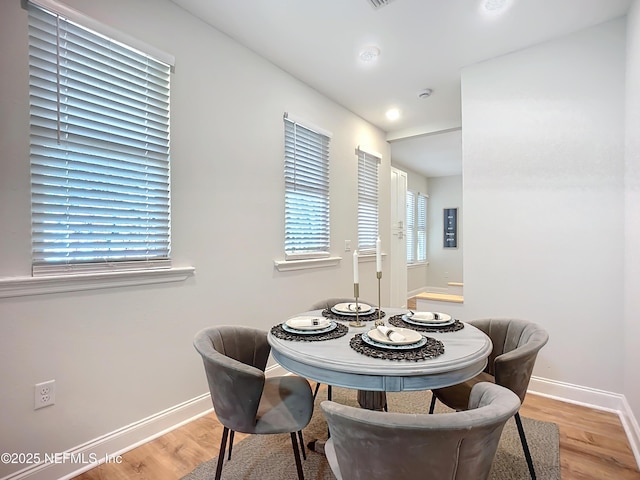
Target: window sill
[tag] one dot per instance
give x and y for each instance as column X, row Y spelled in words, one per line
column 417, row 264
column 289, row 265
column 369, row 257
column 25, row 286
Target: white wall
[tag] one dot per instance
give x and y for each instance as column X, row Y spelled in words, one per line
column 632, row 217
column 445, row 264
column 121, row 354
column 543, row 197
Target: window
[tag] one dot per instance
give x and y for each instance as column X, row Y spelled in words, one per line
column 99, row 150
column 306, row 179
column 416, row 227
column 367, row 201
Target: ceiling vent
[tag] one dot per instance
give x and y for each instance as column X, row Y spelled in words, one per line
column 377, row 4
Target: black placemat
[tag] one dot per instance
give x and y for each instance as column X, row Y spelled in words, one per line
column 366, row 317
column 431, row 349
column 397, row 321
column 339, row 331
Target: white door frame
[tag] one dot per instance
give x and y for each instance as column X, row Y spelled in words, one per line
column 398, row 247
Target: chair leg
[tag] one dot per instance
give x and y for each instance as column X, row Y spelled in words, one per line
column 315, row 392
column 304, row 453
column 296, row 454
column 328, row 398
column 223, row 446
column 433, row 402
column 231, row 444
column 525, row 446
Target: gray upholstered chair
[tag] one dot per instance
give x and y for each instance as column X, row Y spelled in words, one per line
column 516, row 344
column 372, row 445
column 245, row 400
column 327, row 304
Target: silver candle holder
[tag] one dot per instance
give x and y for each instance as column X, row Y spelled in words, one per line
column 379, row 321
column 356, row 294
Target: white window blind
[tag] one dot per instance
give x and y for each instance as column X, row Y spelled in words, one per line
column 421, row 228
column 367, row 201
column 99, row 138
column 410, row 232
column 416, row 227
column 306, row 175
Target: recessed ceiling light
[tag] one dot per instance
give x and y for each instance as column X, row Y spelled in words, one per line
column 369, row 53
column 393, row 114
column 494, row 5
column 494, row 8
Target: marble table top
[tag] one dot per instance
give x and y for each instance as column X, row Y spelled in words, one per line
column 334, row 362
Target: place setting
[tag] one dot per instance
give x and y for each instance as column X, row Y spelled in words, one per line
column 309, row 328
column 396, row 344
column 349, row 311
column 430, row 322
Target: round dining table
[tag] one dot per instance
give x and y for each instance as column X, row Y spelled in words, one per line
column 335, row 362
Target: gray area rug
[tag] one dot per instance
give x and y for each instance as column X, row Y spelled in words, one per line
column 261, row 457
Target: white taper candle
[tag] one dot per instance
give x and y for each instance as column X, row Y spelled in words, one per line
column 355, row 267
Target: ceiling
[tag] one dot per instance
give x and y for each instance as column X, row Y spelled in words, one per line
column 432, row 155
column 423, row 44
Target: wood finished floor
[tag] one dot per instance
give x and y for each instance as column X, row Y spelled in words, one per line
column 593, row 446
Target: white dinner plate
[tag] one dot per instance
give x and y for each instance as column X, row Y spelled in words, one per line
column 429, row 317
column 436, row 323
column 322, row 322
column 410, row 336
column 393, row 346
column 330, row 328
column 350, row 308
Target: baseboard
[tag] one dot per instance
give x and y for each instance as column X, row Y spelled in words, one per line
column 415, row 292
column 418, row 291
column 592, row 398
column 277, row 371
column 435, row 290
column 567, row 392
column 630, row 425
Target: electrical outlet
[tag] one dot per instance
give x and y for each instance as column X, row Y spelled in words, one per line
column 44, row 394
column 347, row 245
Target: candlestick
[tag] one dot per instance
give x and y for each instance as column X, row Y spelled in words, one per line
column 379, row 321
column 356, row 294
